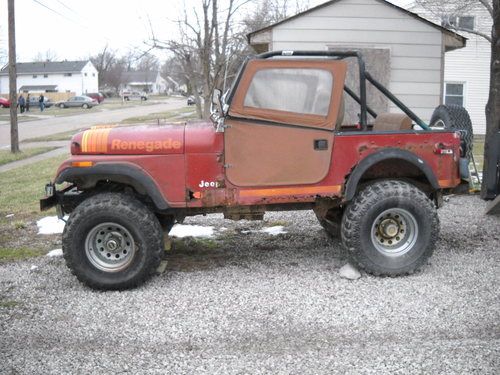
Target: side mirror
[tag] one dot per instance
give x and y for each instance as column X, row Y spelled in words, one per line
column 216, row 97
column 217, row 110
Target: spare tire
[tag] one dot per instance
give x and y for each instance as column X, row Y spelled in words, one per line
column 454, row 117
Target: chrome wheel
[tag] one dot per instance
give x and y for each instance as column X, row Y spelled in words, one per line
column 110, row 247
column 394, row 232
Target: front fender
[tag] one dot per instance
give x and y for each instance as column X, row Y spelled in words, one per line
column 125, row 173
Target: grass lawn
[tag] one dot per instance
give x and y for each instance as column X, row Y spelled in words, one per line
column 478, row 151
column 64, row 136
column 21, row 188
column 185, row 113
column 8, row 157
column 20, row 191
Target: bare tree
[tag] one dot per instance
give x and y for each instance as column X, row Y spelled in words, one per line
column 493, row 105
column 448, row 11
column 212, row 41
column 49, row 55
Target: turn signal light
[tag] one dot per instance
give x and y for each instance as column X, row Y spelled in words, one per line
column 82, row 164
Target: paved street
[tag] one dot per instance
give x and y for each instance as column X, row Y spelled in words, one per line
column 40, row 128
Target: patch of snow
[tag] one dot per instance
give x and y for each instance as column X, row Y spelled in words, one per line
column 348, row 271
column 50, row 225
column 33, row 268
column 274, row 231
column 55, row 253
column 9, row 215
column 222, row 229
column 181, row 230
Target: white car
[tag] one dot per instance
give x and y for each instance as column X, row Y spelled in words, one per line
column 134, row 95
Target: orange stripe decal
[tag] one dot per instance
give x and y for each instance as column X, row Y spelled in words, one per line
column 84, row 141
column 96, row 140
column 290, row 191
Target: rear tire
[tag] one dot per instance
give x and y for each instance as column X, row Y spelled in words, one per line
column 85, row 106
column 454, row 117
column 112, row 242
column 390, row 228
column 331, row 222
column 62, row 106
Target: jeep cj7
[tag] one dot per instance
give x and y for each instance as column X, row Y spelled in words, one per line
column 276, row 141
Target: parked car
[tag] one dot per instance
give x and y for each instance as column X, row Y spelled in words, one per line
column 191, row 100
column 78, row 101
column 134, row 95
column 34, row 101
column 4, row 103
column 97, row 96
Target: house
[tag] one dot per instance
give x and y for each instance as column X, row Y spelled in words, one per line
column 466, row 70
column 148, row 81
column 78, row 77
column 402, row 50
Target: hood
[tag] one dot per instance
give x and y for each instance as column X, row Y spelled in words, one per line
column 130, row 140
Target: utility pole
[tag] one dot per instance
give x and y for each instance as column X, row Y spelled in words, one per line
column 14, row 135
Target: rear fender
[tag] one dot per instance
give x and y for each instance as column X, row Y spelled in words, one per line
column 384, row 155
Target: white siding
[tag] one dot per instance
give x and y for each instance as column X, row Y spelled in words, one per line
column 470, row 65
column 415, row 47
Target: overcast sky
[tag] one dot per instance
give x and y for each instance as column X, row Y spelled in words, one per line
column 75, row 29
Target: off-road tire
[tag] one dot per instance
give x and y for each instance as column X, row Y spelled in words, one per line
column 455, row 117
column 331, row 222
column 127, row 212
column 359, row 224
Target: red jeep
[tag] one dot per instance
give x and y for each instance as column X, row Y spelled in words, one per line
column 276, row 142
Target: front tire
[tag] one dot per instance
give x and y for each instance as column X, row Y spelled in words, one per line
column 85, row 106
column 62, row 106
column 390, row 228
column 112, row 242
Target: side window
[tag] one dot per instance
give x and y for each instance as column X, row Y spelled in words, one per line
column 454, row 94
column 296, row 90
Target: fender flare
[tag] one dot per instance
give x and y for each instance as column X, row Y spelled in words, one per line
column 118, row 172
column 387, row 154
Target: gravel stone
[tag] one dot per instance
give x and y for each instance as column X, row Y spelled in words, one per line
column 259, row 304
column 348, row 271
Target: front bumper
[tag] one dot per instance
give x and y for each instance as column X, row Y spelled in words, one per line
column 57, row 198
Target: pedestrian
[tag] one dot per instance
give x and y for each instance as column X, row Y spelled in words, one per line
column 28, row 103
column 22, row 103
column 41, row 102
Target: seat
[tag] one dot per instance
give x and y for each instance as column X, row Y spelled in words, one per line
column 392, row 122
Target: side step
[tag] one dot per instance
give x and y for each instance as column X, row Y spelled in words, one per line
column 493, row 207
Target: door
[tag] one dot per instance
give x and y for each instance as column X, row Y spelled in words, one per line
column 281, row 122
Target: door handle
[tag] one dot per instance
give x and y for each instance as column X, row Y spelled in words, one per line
column 321, row 144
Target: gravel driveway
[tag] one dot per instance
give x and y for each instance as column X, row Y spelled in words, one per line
column 261, row 304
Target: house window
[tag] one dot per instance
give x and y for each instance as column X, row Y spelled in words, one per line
column 93, row 74
column 454, row 93
column 68, row 74
column 461, row 22
column 34, row 76
column 85, row 74
column 45, row 76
